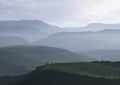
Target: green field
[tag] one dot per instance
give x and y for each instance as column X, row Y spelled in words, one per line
column 98, row 69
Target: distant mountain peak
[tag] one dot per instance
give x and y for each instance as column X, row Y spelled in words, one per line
column 95, row 24
column 112, row 31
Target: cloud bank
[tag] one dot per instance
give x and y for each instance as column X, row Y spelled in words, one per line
column 62, row 12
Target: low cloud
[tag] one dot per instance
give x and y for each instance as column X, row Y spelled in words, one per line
column 62, row 12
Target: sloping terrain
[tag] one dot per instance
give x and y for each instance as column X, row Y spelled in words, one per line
column 12, row 41
column 83, row 41
column 20, row 59
column 105, row 73
column 104, row 69
column 104, row 55
column 61, row 78
column 28, row 29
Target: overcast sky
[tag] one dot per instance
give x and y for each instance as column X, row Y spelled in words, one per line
column 62, row 12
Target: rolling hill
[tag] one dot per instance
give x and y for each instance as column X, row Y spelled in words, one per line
column 81, row 73
column 17, row 60
column 103, row 55
column 28, row 29
column 38, row 29
column 99, row 27
column 12, row 41
column 83, row 41
column 108, row 70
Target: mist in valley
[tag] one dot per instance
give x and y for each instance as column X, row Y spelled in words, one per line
column 59, row 42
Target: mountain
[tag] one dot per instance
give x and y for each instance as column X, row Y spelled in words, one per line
column 98, row 27
column 17, row 60
column 83, row 41
column 37, row 29
column 104, row 55
column 70, row 74
column 29, row 29
column 12, row 41
column 11, row 67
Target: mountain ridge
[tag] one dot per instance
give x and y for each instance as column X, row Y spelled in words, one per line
column 26, row 58
column 83, row 41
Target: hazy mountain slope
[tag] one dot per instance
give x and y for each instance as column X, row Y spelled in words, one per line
column 32, row 56
column 106, row 55
column 12, row 41
column 98, row 27
column 13, row 64
column 82, row 41
column 37, row 29
column 29, row 29
column 10, row 67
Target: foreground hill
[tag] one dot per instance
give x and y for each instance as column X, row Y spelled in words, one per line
column 83, row 41
column 96, row 69
column 70, row 74
column 61, row 78
column 20, row 59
